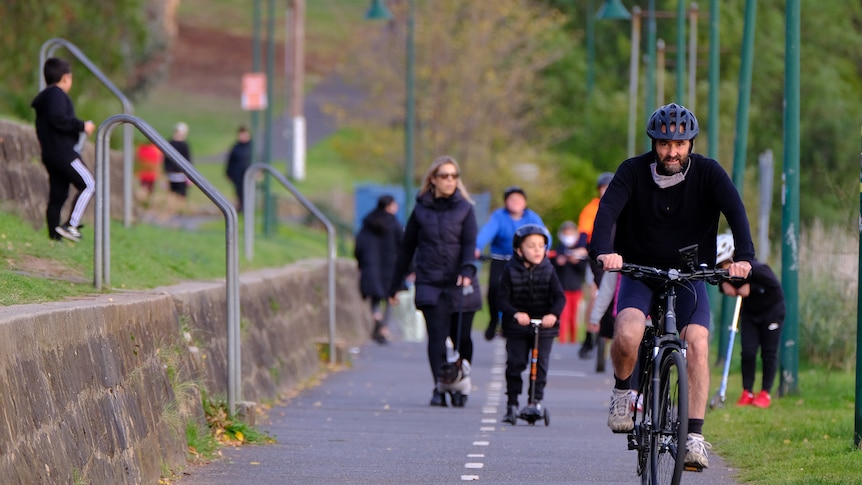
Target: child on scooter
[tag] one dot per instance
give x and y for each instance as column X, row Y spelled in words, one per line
column 529, row 289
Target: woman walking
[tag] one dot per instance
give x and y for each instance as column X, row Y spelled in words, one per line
column 441, row 235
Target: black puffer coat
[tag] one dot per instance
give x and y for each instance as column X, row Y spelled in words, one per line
column 536, row 291
column 376, row 251
column 441, row 235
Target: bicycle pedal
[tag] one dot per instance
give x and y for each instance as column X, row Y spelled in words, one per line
column 632, row 442
column 693, row 468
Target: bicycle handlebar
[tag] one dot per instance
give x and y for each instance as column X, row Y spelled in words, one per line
column 640, row 272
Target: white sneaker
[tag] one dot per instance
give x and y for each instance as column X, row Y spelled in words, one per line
column 69, row 232
column 696, row 452
column 620, row 418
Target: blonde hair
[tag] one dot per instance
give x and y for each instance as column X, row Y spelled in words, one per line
column 427, row 181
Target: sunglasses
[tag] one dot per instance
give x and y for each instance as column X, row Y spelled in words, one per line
column 450, row 176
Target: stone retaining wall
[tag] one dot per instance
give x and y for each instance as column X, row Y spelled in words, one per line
column 88, row 386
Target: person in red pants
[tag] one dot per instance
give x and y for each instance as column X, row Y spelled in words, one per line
column 569, row 258
column 149, row 163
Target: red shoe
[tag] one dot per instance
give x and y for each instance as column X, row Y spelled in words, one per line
column 746, row 399
column 762, row 400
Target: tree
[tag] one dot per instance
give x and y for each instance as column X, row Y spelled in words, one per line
column 479, row 90
column 126, row 39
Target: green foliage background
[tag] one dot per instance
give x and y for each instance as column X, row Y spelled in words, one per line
column 120, row 36
column 830, row 89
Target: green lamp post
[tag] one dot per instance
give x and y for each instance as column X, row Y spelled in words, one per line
column 610, row 10
column 378, row 11
column 613, row 10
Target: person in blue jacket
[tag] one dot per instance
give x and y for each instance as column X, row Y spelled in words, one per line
column 440, row 240
column 498, row 232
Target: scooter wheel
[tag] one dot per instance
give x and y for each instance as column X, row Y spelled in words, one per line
column 547, row 417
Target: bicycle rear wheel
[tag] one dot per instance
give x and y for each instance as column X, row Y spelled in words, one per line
column 667, row 441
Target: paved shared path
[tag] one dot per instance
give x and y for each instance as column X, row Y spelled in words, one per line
column 371, row 424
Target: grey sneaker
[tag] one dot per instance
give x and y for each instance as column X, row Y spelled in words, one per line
column 620, row 418
column 696, row 452
column 69, row 232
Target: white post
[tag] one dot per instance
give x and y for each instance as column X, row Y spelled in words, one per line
column 298, row 165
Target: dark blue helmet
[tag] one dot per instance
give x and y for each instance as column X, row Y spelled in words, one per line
column 672, row 122
column 529, row 230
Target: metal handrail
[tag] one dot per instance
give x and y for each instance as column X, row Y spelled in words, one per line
column 248, row 230
column 102, row 234
column 47, row 50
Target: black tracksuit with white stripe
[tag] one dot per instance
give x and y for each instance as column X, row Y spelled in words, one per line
column 58, row 130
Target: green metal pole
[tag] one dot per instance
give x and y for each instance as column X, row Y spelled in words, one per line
column 410, row 109
column 269, row 199
column 712, row 136
column 789, row 350
column 591, row 48
column 680, row 52
column 740, row 145
column 857, row 433
column 714, row 81
column 742, row 107
column 650, row 70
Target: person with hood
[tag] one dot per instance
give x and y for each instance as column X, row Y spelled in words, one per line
column 376, row 251
column 440, row 240
column 498, row 232
column 59, row 133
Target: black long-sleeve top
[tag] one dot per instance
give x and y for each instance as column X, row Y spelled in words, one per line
column 765, row 301
column 57, row 127
column 653, row 224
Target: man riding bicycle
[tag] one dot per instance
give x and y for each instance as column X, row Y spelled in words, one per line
column 661, row 201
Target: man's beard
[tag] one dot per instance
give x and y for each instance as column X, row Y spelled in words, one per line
column 663, row 169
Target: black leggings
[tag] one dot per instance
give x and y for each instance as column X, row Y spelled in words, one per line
column 496, row 272
column 518, row 355
column 441, row 321
column 753, row 336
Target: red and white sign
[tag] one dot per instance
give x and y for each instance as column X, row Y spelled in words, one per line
column 254, row 91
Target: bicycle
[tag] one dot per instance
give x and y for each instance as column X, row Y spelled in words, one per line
column 661, row 422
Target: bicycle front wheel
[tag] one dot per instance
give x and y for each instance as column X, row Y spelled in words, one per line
column 667, row 442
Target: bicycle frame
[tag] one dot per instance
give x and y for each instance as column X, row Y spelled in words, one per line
column 661, row 425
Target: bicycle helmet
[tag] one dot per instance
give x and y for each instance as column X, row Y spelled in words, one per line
column 723, row 248
column 529, row 230
column 672, row 122
column 604, row 179
column 513, row 190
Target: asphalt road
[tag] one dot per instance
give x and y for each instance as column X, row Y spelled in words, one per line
column 371, row 424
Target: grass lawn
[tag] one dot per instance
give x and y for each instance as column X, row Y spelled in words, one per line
column 804, row 439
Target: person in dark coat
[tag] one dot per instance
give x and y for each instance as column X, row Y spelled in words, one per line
column 238, row 160
column 529, row 289
column 376, row 250
column 176, row 177
column 441, row 236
